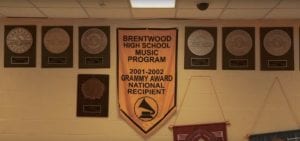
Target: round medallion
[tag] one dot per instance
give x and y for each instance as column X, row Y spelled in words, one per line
column 277, row 42
column 93, row 41
column 238, row 42
column 56, row 40
column 92, row 89
column 19, row 40
column 200, row 42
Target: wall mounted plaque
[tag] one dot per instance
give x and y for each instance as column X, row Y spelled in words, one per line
column 200, row 48
column 94, row 50
column 292, row 135
column 277, row 48
column 20, row 46
column 57, row 46
column 92, row 95
column 238, row 48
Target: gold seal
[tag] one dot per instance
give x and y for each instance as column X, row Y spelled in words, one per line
column 200, row 42
column 56, row 40
column 19, row 40
column 93, row 89
column 277, row 42
column 238, row 42
column 93, row 41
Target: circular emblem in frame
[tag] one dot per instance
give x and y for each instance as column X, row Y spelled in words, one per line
column 277, row 42
column 56, row 40
column 93, row 41
column 200, row 42
column 93, row 89
column 238, row 42
column 19, row 40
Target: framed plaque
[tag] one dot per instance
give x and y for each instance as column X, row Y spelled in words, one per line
column 200, row 48
column 289, row 135
column 57, row 46
column 238, row 48
column 92, row 95
column 20, row 46
column 94, row 47
column 277, row 48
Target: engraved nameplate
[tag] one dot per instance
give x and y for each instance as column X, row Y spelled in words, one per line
column 277, row 63
column 57, row 60
column 93, row 60
column 238, row 63
column 199, row 61
column 92, row 108
column 19, row 60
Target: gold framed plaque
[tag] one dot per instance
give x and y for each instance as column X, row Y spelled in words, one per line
column 57, row 46
column 200, row 48
column 20, row 46
column 94, row 47
column 92, row 95
column 277, row 48
column 238, row 48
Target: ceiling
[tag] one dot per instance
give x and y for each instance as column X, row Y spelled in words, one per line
column 121, row 9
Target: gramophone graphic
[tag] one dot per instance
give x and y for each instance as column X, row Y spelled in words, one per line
column 147, row 111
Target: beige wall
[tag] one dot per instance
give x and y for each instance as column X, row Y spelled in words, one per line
column 40, row 104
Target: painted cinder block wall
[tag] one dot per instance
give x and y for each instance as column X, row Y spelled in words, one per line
column 39, row 104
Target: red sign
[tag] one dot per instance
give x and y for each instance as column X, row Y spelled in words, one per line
column 202, row 132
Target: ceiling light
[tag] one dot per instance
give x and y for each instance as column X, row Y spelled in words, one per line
column 152, row 3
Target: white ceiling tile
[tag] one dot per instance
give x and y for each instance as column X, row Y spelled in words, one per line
column 15, row 3
column 252, row 3
column 105, row 3
column 64, row 12
column 117, row 13
column 153, row 13
column 244, row 13
column 116, row 9
column 193, row 3
column 289, row 4
column 284, row 14
column 56, row 3
column 196, row 14
column 20, row 12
